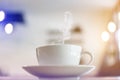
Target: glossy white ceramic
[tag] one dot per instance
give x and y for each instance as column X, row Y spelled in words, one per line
column 59, row 71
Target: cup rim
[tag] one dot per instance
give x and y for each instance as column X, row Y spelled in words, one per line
column 47, row 45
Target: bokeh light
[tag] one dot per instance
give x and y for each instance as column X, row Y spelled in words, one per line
column 118, row 38
column 8, row 28
column 2, row 15
column 119, row 15
column 105, row 36
column 112, row 27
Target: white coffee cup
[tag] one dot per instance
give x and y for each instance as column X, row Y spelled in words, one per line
column 60, row 54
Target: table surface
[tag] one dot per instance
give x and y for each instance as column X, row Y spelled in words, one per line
column 74, row 78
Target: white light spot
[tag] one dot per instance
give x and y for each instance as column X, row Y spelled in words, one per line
column 105, row 36
column 9, row 28
column 2, row 15
column 111, row 26
column 118, row 38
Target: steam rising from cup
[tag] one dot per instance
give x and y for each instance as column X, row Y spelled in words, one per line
column 68, row 21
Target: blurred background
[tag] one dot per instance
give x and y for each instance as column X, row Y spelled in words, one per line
column 27, row 24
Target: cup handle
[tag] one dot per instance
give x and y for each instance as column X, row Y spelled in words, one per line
column 37, row 55
column 91, row 55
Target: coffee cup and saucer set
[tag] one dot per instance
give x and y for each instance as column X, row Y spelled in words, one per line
column 60, row 60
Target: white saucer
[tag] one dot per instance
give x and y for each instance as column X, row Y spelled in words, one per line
column 59, row 71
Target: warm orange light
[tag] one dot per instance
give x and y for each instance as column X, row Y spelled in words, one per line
column 119, row 15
